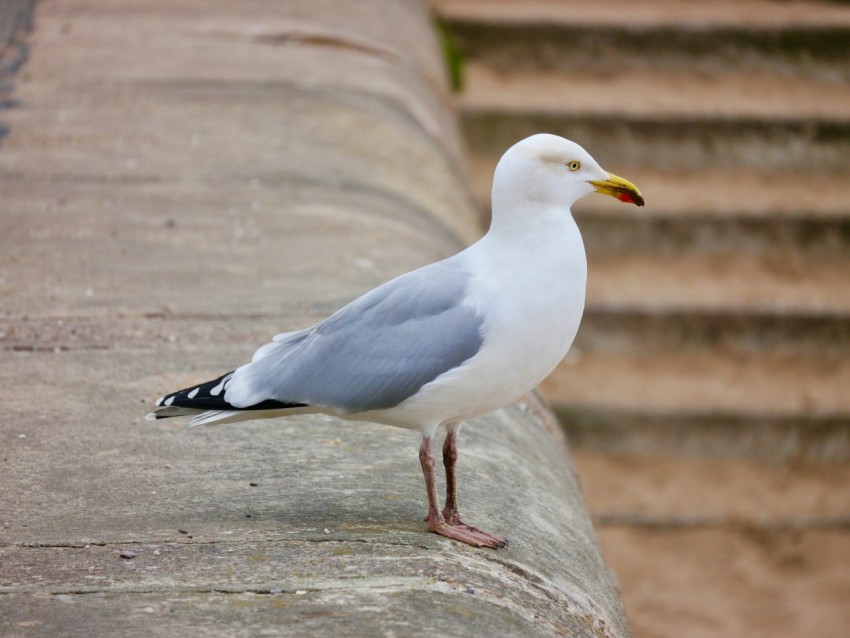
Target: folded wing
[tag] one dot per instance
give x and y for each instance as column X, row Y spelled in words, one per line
column 372, row 354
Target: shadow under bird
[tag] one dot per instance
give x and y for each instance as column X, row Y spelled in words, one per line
column 447, row 342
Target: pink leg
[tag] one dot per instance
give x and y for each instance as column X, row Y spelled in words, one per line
column 451, row 512
column 435, row 520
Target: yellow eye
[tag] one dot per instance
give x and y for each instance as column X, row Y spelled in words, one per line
column 574, row 165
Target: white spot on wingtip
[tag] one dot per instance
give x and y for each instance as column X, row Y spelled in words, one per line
column 223, row 384
column 160, row 400
column 193, row 393
column 170, row 400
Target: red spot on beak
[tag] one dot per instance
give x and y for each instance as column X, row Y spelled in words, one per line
column 625, row 197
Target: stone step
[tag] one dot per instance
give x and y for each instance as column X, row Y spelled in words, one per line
column 777, row 240
column 657, row 490
column 673, row 142
column 804, row 39
column 749, row 121
column 667, row 115
column 641, row 332
column 676, row 524
column 705, row 382
column 728, row 283
column 645, row 305
column 666, row 119
column 644, row 309
column 677, row 94
column 752, row 14
column 732, row 435
column 706, row 401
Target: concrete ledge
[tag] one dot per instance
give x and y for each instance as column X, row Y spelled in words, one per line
column 181, row 181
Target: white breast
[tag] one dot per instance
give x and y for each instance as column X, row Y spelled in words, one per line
column 531, row 291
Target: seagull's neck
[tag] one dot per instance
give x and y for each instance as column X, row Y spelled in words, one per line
column 534, row 229
column 539, row 248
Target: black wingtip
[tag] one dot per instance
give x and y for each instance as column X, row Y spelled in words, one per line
column 210, row 396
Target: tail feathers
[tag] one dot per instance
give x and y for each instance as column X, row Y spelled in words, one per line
column 206, row 400
column 170, row 411
column 221, row 417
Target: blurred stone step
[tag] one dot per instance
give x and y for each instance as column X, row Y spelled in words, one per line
column 705, row 382
column 719, row 435
column 666, row 119
column 641, row 332
column 673, row 142
column 803, row 237
column 804, row 39
column 663, row 519
column 731, row 581
column 648, row 305
column 592, row 75
column 677, row 94
column 706, row 401
column 727, row 283
column 662, row 491
column 625, row 13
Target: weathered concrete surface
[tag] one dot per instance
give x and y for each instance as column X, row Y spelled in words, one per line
column 180, row 181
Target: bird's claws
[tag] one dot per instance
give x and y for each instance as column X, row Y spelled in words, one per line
column 459, row 531
column 452, row 517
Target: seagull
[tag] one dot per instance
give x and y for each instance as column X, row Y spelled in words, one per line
column 445, row 343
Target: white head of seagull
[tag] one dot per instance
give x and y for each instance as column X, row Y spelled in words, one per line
column 545, row 170
column 444, row 343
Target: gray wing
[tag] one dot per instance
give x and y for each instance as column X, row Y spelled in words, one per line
column 372, row 354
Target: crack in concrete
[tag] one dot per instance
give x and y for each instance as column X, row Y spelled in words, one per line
column 300, row 539
column 248, row 588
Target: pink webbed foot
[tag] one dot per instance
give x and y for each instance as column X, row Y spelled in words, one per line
column 465, row 534
column 452, row 517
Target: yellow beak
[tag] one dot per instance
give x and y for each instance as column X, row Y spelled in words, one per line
column 620, row 188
